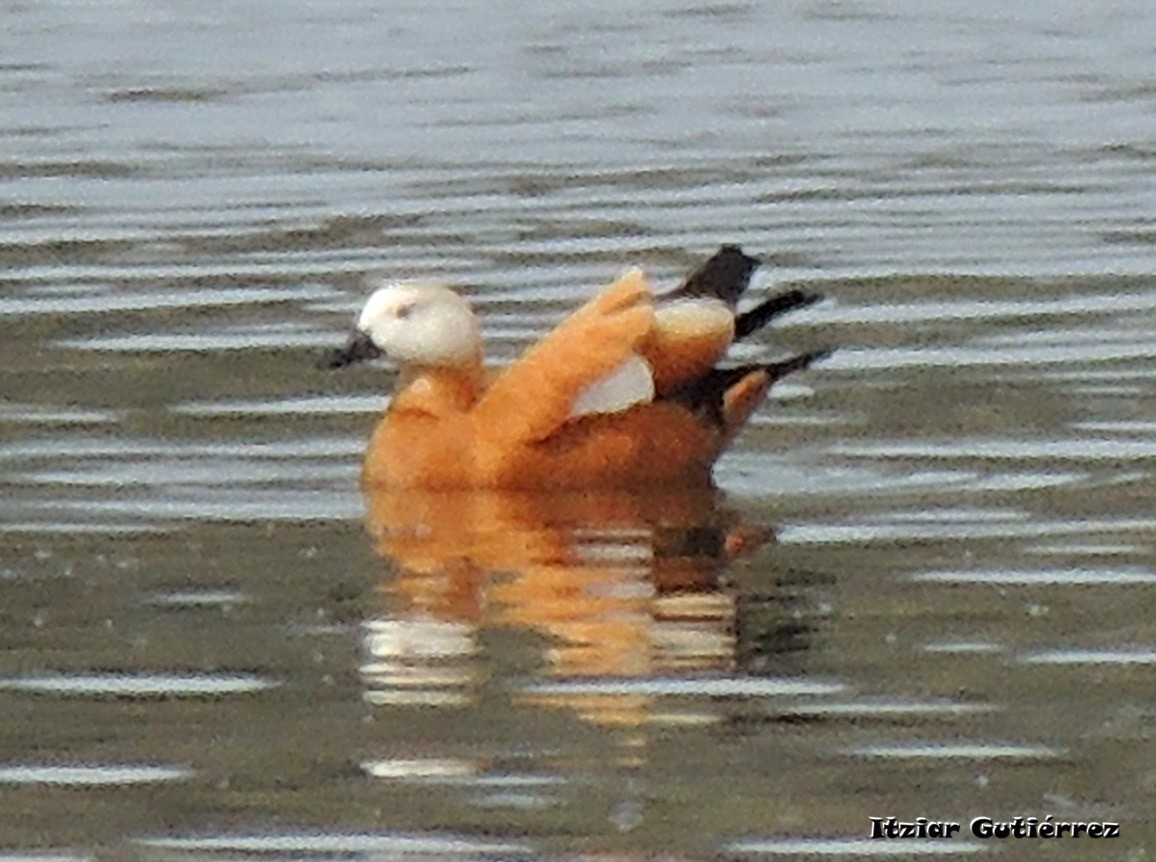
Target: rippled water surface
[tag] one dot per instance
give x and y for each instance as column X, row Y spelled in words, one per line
column 924, row 589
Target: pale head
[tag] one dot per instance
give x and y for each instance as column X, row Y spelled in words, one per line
column 422, row 324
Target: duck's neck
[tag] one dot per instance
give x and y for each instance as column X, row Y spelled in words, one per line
column 439, row 390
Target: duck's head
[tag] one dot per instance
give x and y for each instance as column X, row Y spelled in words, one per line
column 414, row 324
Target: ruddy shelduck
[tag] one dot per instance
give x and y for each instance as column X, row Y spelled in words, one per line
column 624, row 393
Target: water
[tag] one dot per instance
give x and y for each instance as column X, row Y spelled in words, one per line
column 925, row 588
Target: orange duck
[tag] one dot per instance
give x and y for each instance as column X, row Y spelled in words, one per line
column 622, row 394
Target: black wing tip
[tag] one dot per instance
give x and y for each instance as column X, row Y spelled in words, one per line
column 725, row 275
column 779, row 370
column 766, row 311
column 705, row 395
column 732, row 252
column 806, row 298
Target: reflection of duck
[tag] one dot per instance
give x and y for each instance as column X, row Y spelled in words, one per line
column 624, row 393
column 622, row 584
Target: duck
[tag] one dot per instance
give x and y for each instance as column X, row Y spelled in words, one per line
column 626, row 393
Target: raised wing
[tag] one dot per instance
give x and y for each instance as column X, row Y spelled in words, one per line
column 547, row 386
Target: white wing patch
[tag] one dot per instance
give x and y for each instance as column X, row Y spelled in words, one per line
column 690, row 318
column 630, row 383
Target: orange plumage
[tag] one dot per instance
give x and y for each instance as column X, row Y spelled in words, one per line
column 624, row 393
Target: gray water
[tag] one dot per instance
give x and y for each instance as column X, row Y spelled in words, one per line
column 925, row 587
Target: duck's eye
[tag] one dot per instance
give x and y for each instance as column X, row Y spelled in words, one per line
column 404, row 311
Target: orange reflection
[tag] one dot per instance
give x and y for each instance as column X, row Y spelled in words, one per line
column 623, row 584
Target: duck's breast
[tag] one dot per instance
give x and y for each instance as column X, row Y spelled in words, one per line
column 417, row 450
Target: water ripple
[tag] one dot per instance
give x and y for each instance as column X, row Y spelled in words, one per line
column 884, row 709
column 111, row 303
column 954, row 751
column 255, row 337
column 327, row 843
column 688, row 687
column 1034, row 577
column 852, row 847
column 985, row 356
column 1015, row 526
column 1122, row 657
column 92, row 775
column 1077, row 304
column 305, row 406
column 1074, row 449
column 137, row 685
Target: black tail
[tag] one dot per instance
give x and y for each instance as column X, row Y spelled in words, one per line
column 705, row 395
column 779, row 370
column 726, row 274
column 761, row 314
